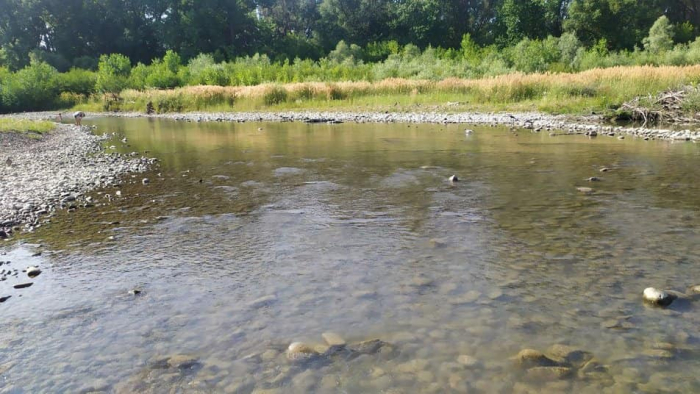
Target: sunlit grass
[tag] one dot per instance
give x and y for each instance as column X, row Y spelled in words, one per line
column 597, row 90
column 25, row 126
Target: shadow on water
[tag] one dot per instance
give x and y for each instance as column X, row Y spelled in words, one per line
column 253, row 236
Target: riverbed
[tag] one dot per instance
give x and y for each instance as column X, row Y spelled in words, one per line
column 250, row 236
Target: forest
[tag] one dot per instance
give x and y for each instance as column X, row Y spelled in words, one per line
column 61, row 53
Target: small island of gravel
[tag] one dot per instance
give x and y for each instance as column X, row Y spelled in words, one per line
column 40, row 173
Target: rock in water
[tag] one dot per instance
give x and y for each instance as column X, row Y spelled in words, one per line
column 585, row 190
column 23, row 285
column 33, row 272
column 454, row 178
column 3, row 299
column 145, row 181
column 333, row 339
column 529, row 358
column 658, row 297
column 299, row 351
column 182, row 361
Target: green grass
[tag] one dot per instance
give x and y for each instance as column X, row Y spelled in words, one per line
column 23, row 126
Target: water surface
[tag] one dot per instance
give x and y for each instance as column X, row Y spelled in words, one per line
column 252, row 236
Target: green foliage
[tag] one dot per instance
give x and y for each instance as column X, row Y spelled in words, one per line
column 536, row 55
column 113, row 73
column 345, row 54
column 660, row 36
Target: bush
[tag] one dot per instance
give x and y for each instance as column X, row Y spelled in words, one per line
column 81, row 82
column 113, row 73
column 274, row 94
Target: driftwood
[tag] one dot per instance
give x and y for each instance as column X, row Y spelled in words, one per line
column 664, row 108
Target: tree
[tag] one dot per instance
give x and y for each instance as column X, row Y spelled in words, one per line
column 660, row 36
column 113, row 74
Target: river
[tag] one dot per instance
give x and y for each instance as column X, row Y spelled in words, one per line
column 251, row 236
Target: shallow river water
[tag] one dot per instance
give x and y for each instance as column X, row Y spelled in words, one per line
column 252, row 236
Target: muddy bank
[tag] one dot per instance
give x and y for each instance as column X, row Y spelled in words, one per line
column 537, row 122
column 40, row 175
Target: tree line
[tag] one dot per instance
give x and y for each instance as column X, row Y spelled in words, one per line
column 75, row 33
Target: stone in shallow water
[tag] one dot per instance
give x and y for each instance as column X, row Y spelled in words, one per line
column 585, row 190
column 182, row 361
column 569, row 355
column 371, row 346
column 658, row 297
column 468, row 361
column 530, row 358
column 333, row 339
column 299, row 351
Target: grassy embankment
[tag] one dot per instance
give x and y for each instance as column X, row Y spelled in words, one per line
column 32, row 128
column 597, row 90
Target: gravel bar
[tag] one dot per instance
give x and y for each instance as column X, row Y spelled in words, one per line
column 40, row 175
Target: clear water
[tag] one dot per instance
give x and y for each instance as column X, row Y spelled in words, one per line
column 253, row 236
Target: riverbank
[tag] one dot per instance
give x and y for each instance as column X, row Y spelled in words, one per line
column 53, row 171
column 555, row 125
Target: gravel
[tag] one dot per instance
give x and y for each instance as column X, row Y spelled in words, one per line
column 40, row 175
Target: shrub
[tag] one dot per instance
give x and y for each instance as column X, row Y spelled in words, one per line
column 274, row 94
column 113, row 73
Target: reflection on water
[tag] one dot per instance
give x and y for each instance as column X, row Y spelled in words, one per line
column 253, row 236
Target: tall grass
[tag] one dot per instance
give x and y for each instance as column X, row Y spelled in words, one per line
column 592, row 90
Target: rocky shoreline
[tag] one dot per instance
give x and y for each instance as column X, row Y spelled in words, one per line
column 537, row 122
column 40, row 175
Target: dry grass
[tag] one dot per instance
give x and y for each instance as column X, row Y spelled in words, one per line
column 597, row 89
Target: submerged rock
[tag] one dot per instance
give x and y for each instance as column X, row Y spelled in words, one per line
column 333, row 339
column 568, row 355
column 530, row 358
column 182, row 361
column 658, row 297
column 299, row 351
column 371, row 346
column 585, row 190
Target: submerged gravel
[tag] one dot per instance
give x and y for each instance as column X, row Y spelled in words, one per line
column 41, row 175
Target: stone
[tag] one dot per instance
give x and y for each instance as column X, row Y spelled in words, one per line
column 182, row 361
column 468, row 361
column 604, row 169
column 694, row 289
column 454, row 178
column 3, row 299
column 23, row 285
column 585, row 190
column 658, row 297
column 299, row 351
column 145, row 181
column 530, row 358
column 593, row 179
column 549, row 373
column 333, row 339
column 568, row 355
column 371, row 346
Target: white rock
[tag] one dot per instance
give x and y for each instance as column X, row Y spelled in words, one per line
column 658, row 297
